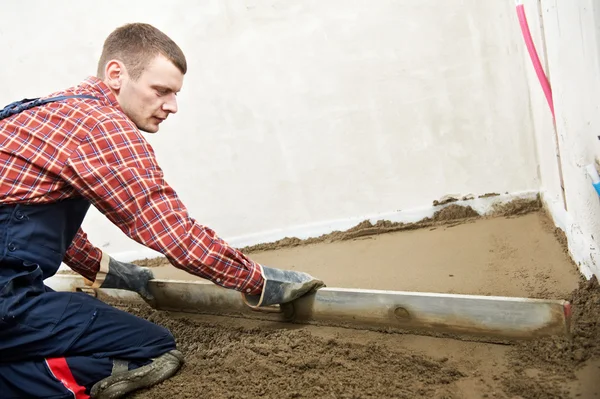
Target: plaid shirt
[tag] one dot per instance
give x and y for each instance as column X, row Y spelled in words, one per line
column 85, row 147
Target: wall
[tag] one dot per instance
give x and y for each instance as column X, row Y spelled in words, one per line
column 304, row 113
column 547, row 145
column 571, row 32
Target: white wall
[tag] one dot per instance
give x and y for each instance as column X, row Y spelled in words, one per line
column 545, row 134
column 571, row 32
column 302, row 112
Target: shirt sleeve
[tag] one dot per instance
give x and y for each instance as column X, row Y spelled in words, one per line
column 115, row 168
column 83, row 257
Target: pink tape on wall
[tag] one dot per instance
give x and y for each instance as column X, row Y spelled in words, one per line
column 537, row 65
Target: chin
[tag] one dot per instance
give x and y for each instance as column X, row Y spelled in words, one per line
column 149, row 128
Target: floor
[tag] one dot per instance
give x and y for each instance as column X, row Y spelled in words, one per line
column 510, row 256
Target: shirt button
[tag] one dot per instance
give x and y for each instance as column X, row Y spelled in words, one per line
column 12, row 247
column 218, row 280
column 248, row 290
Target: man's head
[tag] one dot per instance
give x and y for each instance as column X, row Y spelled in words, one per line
column 144, row 68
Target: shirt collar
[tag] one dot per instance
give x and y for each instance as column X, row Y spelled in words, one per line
column 99, row 89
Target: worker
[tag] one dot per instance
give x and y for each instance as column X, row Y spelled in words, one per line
column 60, row 154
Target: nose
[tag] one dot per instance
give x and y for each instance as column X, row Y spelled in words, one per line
column 170, row 105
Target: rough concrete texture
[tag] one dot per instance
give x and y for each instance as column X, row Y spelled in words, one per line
column 449, row 215
column 237, row 358
column 516, row 255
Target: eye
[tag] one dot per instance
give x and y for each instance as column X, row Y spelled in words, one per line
column 162, row 91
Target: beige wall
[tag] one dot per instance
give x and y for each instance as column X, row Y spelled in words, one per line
column 304, row 113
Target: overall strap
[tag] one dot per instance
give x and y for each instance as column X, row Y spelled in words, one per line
column 28, row 103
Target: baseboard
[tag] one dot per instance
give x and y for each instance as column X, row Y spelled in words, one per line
column 483, row 206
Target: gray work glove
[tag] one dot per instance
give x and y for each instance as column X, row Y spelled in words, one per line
column 282, row 286
column 124, row 276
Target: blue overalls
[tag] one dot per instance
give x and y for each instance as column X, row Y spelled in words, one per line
column 58, row 344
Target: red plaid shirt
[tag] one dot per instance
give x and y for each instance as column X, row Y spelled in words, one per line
column 86, row 147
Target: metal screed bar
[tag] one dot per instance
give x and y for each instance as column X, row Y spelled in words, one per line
column 502, row 317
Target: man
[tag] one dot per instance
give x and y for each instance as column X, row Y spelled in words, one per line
column 79, row 147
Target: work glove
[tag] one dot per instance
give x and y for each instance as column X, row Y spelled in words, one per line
column 123, row 276
column 282, row 286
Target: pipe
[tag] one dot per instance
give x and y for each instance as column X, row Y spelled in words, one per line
column 593, row 174
column 537, row 65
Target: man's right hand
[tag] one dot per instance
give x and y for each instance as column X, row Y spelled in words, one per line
column 283, row 286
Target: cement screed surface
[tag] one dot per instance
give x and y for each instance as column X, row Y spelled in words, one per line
column 513, row 256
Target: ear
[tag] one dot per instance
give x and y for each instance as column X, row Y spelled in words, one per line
column 114, row 73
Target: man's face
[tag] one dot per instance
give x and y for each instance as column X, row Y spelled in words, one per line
column 150, row 99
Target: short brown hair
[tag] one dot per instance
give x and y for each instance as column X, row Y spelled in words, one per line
column 135, row 45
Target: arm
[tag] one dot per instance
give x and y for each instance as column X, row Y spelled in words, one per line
column 115, row 168
column 102, row 271
column 82, row 257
